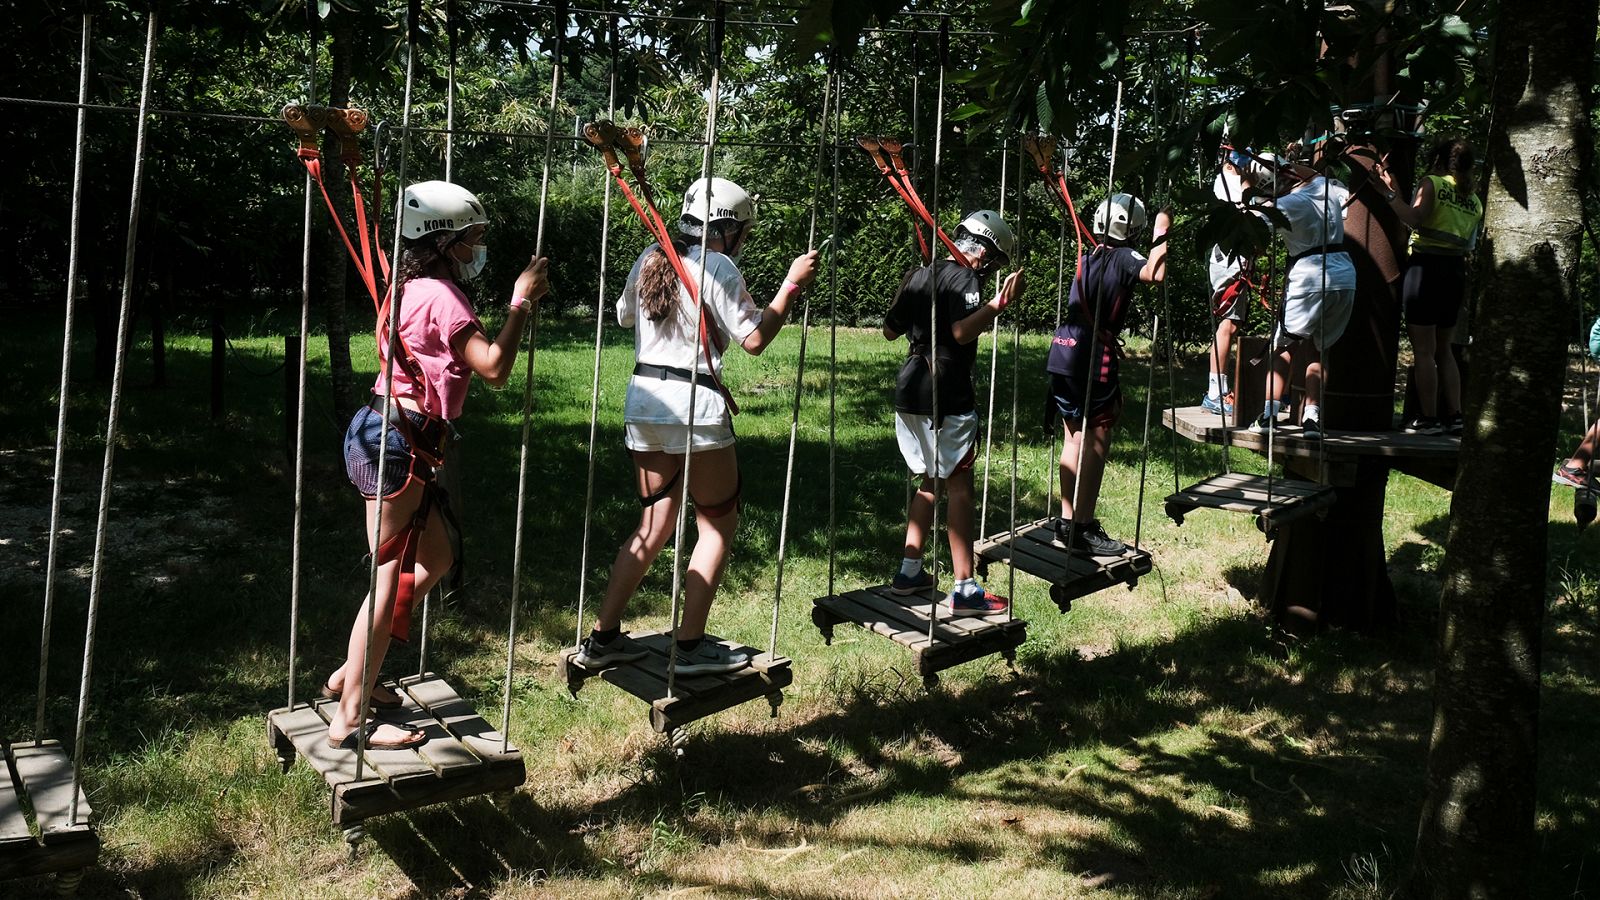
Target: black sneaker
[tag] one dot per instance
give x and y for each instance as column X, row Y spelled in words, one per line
column 1455, row 425
column 910, row 584
column 1090, row 539
column 1310, row 428
column 1423, row 425
column 1263, row 424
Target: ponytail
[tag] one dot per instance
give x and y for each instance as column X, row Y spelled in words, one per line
column 1454, row 157
column 658, row 283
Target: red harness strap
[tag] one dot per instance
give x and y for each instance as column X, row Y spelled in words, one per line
column 899, row 178
column 403, row 547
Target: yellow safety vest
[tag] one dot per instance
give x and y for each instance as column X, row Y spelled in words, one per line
column 1453, row 225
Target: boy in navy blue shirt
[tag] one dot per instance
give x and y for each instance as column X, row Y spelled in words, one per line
column 1085, row 385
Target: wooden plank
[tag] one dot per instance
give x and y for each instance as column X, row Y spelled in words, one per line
column 1203, row 427
column 913, row 611
column 45, row 773
column 1036, row 553
column 309, row 734
column 694, row 696
column 353, row 804
column 1237, row 492
column 1001, row 637
column 660, row 646
column 766, row 676
column 875, row 620
column 390, row 764
column 961, row 625
column 13, row 824
column 458, row 717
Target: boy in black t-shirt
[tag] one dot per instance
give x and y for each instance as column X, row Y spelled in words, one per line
column 1102, row 294
column 945, row 450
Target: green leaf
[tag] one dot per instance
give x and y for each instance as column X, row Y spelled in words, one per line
column 965, row 112
column 323, row 8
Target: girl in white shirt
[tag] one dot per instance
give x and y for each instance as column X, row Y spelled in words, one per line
column 678, row 365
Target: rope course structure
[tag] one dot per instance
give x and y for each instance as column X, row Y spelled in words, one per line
column 36, row 774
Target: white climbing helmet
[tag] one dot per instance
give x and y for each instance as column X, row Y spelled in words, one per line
column 729, row 203
column 1119, row 217
column 1265, row 175
column 986, row 224
column 430, row 206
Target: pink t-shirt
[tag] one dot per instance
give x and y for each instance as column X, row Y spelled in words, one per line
column 433, row 313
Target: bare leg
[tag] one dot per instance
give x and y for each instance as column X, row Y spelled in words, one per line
column 1223, row 346
column 919, row 520
column 715, row 474
column 1278, row 375
column 1584, row 454
column 1449, row 372
column 433, row 560
column 1094, row 467
column 1313, row 376
column 656, row 523
column 959, row 510
column 1424, row 369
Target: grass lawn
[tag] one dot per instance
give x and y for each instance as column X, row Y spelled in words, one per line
column 1154, row 743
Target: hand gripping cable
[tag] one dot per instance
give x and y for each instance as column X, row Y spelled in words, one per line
column 606, row 137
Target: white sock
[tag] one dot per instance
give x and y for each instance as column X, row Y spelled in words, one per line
column 967, row 587
column 910, row 566
column 1214, row 386
column 1313, row 412
column 1272, row 409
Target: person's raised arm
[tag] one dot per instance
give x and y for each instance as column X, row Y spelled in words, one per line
column 1155, row 268
column 975, row 324
column 802, row 272
column 493, row 360
column 1418, row 210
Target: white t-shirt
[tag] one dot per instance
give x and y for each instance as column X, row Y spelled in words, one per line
column 1315, row 211
column 675, row 340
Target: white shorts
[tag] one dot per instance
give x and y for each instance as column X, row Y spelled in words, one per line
column 1320, row 316
column 957, row 440
column 668, row 437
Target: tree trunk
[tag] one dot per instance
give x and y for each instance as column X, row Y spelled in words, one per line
column 335, row 282
column 1476, row 835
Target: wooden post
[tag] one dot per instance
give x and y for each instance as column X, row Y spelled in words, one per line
column 219, row 350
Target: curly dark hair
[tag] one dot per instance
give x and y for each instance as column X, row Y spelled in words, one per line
column 425, row 257
column 1455, row 157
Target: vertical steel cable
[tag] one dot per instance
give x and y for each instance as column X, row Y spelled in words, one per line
column 800, row 369
column 994, row 370
column 66, row 380
column 1054, row 468
column 933, row 324
column 297, row 537
column 1282, row 301
column 118, row 372
column 560, row 30
column 833, row 342
column 450, row 30
column 694, row 371
column 1016, row 354
column 1155, row 330
column 392, row 350
column 599, row 337
column 916, row 169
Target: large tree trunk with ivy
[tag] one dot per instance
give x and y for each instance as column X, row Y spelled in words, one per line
column 336, row 283
column 1476, row 837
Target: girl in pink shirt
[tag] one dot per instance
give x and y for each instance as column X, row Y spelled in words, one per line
column 442, row 345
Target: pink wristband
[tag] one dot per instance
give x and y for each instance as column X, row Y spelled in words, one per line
column 521, row 303
column 789, row 287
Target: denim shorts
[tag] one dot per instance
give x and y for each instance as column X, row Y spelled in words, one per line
column 361, row 453
column 1066, row 399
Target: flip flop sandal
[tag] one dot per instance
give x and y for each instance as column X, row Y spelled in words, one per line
column 349, row 741
column 332, row 693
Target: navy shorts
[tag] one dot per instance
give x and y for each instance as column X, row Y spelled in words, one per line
column 1434, row 286
column 1066, row 399
column 361, row 453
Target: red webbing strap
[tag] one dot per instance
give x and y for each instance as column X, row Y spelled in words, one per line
column 883, row 169
column 914, row 200
column 658, row 230
column 403, row 547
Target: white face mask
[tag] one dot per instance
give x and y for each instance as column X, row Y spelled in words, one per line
column 470, row 270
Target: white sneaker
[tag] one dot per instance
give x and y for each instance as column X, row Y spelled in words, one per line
column 710, row 659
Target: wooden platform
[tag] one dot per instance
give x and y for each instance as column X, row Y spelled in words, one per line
column 463, row 756
column 693, row 696
column 1070, row 575
column 904, row 620
column 37, row 834
column 1274, row 502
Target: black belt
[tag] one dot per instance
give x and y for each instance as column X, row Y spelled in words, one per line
column 1324, row 249
column 666, row 373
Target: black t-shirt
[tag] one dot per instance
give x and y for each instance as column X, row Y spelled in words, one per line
column 1104, row 287
column 960, row 293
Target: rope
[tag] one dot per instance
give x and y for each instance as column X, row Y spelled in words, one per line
column 396, row 293
column 559, row 28
column 599, row 334
column 300, row 383
column 833, row 356
column 933, row 323
column 66, row 381
column 1061, row 287
column 800, row 372
column 700, row 318
column 450, row 25
column 994, row 367
column 1016, row 434
column 118, row 372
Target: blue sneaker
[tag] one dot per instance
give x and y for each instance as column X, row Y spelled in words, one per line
column 910, row 584
column 1219, row 405
column 976, row 603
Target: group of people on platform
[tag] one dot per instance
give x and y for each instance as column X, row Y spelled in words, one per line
column 676, row 402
